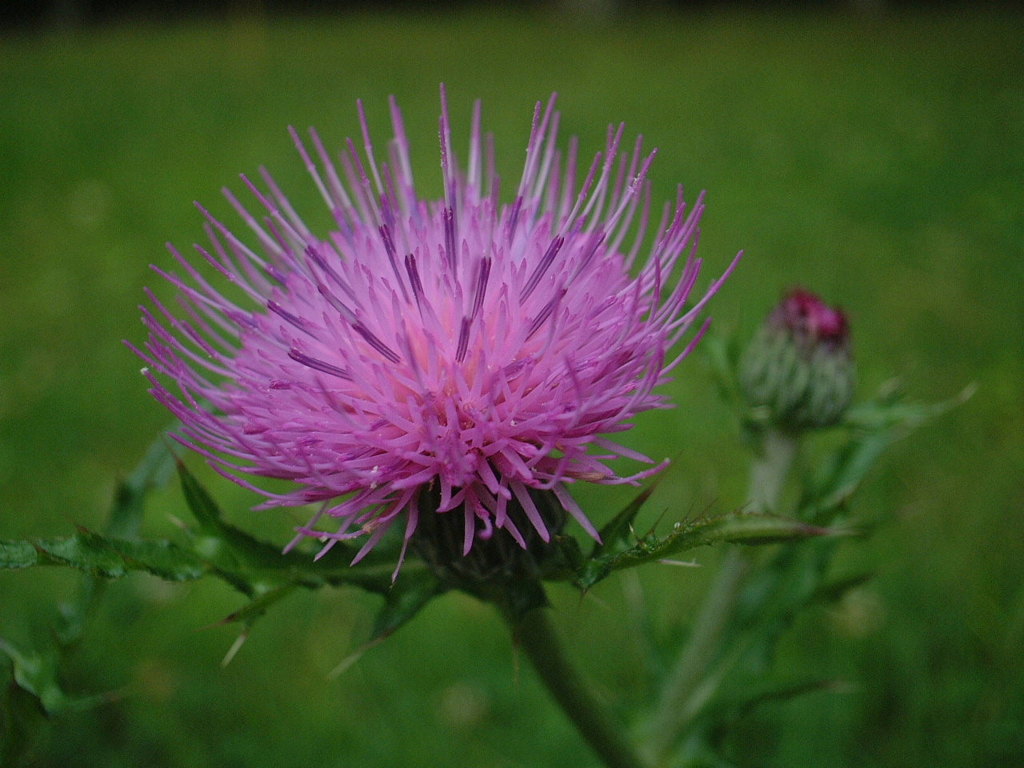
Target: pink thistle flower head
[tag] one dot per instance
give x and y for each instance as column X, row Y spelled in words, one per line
column 463, row 350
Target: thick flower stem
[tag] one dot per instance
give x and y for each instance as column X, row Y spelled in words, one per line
column 685, row 691
column 534, row 634
column 679, row 697
column 769, row 471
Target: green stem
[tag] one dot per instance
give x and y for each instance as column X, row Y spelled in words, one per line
column 769, row 470
column 535, row 635
column 685, row 691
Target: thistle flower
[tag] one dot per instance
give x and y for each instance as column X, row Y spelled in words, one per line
column 460, row 352
column 799, row 369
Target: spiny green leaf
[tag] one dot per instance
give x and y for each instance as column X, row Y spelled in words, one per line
column 258, row 606
column 104, row 557
column 86, row 553
column 565, row 560
column 199, row 501
column 369, row 574
column 889, row 410
column 843, row 472
column 739, row 527
column 618, row 529
column 777, row 592
column 242, row 559
column 35, row 672
column 747, row 695
column 836, row 590
column 755, row 528
column 785, row 584
column 876, row 424
column 229, row 548
column 161, row 558
column 124, row 522
column 154, row 470
column 404, row 601
column 406, row 598
column 17, row 554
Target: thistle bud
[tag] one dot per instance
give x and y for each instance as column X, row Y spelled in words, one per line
column 798, row 372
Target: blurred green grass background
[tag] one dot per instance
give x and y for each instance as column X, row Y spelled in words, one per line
column 878, row 160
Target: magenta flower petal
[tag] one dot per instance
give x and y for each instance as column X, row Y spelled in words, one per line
column 466, row 346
